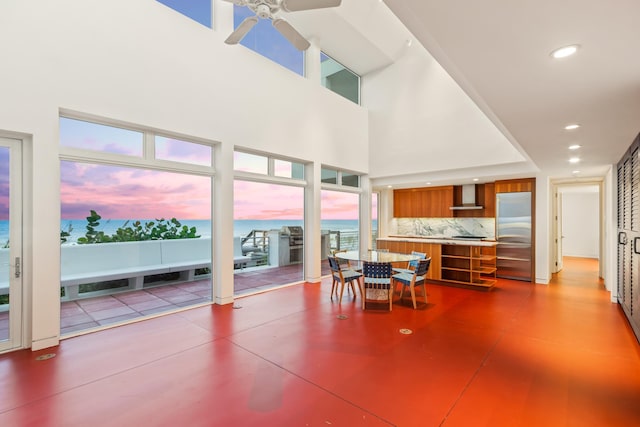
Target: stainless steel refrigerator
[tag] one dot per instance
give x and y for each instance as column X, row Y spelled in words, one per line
column 513, row 233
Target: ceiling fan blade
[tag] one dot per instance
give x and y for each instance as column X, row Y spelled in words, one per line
column 290, row 33
column 238, row 2
column 242, row 30
column 295, row 5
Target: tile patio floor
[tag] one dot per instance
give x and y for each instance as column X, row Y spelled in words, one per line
column 89, row 313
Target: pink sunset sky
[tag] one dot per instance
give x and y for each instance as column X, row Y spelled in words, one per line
column 128, row 193
column 117, row 192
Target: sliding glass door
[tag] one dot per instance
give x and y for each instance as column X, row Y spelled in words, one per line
column 10, row 244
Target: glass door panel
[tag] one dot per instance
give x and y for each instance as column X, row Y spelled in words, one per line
column 10, row 244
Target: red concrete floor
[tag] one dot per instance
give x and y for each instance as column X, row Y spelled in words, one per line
column 519, row 355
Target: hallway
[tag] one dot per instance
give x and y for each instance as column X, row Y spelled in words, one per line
column 519, row 355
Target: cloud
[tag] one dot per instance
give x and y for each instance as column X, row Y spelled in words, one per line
column 128, row 193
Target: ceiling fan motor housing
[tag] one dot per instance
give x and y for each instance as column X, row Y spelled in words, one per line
column 263, row 11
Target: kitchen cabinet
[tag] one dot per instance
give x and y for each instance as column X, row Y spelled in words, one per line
column 406, row 247
column 628, row 219
column 428, row 202
column 469, row 265
column 515, row 185
column 485, row 197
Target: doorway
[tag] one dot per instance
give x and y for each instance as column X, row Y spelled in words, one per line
column 10, row 243
column 578, row 222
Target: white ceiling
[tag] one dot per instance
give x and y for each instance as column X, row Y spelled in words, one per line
column 498, row 53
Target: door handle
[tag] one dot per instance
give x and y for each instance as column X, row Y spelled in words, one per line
column 622, row 238
column 635, row 245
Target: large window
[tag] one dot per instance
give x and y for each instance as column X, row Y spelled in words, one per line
column 339, row 177
column 198, row 10
column 339, row 79
column 135, row 223
column 268, row 222
column 268, row 235
column 339, row 219
column 267, row 165
column 268, row 42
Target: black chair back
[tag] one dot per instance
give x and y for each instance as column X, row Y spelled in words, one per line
column 334, row 265
column 378, row 270
column 423, row 266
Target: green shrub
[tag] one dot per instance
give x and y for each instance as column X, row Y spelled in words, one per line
column 160, row 229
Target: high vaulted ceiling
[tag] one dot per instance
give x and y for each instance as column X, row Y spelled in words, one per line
column 498, row 52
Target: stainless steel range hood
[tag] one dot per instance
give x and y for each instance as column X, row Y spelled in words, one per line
column 468, row 199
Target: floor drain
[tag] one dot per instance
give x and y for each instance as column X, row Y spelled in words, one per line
column 342, row 316
column 406, row 331
column 46, row 356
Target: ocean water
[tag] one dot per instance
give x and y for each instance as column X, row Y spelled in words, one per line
column 203, row 227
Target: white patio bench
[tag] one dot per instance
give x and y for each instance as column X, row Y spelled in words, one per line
column 82, row 264
column 239, row 260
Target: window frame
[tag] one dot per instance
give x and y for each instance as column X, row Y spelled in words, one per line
column 147, row 160
column 322, row 52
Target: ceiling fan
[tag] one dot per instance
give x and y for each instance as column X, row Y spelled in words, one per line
column 268, row 9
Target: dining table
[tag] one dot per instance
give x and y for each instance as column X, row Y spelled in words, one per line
column 376, row 256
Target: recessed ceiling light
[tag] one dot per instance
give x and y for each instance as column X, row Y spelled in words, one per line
column 572, row 126
column 575, row 172
column 574, row 147
column 428, row 183
column 565, row 51
column 389, row 186
column 574, row 160
column 475, row 179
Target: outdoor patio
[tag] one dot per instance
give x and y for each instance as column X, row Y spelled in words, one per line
column 93, row 312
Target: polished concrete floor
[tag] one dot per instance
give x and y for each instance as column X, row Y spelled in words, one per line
column 519, row 355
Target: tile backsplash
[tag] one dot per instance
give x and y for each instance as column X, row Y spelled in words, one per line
column 446, row 227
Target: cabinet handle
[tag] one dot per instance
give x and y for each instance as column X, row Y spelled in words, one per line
column 636, row 246
column 622, row 238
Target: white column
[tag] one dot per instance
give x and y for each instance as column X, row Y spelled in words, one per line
column 223, row 17
column 312, row 210
column 312, row 61
column 543, row 212
column 365, row 215
column 43, row 214
column 222, row 251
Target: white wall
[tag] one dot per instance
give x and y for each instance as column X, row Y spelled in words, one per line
column 421, row 121
column 580, row 224
column 141, row 62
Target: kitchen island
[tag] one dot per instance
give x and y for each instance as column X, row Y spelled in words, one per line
column 458, row 261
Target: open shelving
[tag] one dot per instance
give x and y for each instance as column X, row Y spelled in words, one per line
column 469, row 265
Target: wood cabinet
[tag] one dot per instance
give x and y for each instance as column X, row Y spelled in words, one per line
column 489, row 201
column 406, row 247
column 629, row 235
column 515, row 185
column 485, row 197
column 469, row 265
column 431, row 202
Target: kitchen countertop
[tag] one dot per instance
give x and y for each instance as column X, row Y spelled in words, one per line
column 440, row 240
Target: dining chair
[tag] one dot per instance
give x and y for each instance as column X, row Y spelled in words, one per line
column 377, row 283
column 345, row 263
column 411, row 265
column 417, row 277
column 343, row 276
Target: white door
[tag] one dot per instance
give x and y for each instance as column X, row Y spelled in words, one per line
column 559, row 235
column 10, row 243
